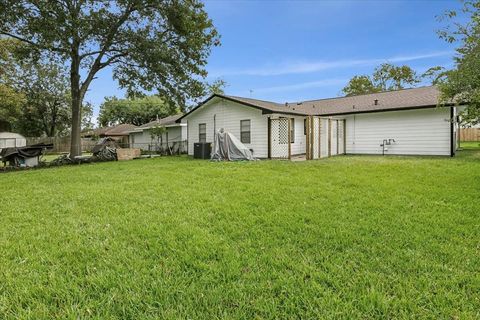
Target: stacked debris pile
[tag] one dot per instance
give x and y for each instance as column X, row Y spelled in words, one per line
column 105, row 150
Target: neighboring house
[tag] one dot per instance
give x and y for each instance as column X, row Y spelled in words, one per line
column 118, row 132
column 403, row 122
column 175, row 133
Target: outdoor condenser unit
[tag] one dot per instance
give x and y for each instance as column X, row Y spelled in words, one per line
column 202, row 150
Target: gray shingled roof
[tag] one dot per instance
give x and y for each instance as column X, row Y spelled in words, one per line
column 268, row 105
column 162, row 122
column 117, row 130
column 422, row 97
column 389, row 100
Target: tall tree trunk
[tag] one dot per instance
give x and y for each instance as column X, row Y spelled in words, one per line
column 75, row 142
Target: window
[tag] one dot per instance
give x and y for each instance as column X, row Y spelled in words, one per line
column 245, row 131
column 305, row 126
column 202, row 132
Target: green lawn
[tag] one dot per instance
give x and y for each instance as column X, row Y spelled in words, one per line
column 470, row 144
column 347, row 237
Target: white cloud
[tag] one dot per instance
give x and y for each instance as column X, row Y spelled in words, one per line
column 300, row 67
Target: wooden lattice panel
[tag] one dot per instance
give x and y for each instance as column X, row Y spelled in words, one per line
column 279, row 138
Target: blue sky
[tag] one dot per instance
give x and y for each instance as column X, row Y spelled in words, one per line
column 301, row 50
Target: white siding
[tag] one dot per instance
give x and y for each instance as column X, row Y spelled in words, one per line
column 323, row 138
column 416, row 132
column 142, row 139
column 227, row 115
column 333, row 138
column 341, row 140
column 298, row 147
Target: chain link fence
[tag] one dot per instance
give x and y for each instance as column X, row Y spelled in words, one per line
column 170, row 148
column 61, row 145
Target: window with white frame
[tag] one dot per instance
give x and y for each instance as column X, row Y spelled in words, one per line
column 245, row 131
column 202, row 132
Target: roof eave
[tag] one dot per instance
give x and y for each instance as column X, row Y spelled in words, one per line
column 264, row 110
column 387, row 110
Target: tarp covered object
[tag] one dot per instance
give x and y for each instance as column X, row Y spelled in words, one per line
column 104, row 142
column 227, row 147
column 25, row 152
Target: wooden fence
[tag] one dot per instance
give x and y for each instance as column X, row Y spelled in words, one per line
column 61, row 144
column 469, row 134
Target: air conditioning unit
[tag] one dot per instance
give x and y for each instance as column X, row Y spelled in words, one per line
column 202, row 150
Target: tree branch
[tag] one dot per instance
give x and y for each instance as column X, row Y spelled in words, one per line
column 32, row 43
column 97, row 64
column 112, row 59
column 92, row 53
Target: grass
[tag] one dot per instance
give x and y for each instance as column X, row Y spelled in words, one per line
column 52, row 156
column 346, row 237
column 469, row 145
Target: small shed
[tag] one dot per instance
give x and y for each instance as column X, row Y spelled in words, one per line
column 12, row 140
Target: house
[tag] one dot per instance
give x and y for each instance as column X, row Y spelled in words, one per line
column 403, row 122
column 175, row 134
column 119, row 133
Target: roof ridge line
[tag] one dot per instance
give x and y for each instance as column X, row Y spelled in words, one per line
column 365, row 94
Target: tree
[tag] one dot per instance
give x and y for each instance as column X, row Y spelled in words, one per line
column 385, row 77
column 46, row 111
column 462, row 84
column 360, row 85
column 136, row 111
column 435, row 74
column 150, row 44
column 157, row 132
column 10, row 107
column 390, row 77
column 44, row 87
column 216, row 87
column 11, row 100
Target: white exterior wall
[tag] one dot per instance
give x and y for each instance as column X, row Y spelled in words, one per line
column 227, row 115
column 142, row 139
column 416, row 132
column 299, row 145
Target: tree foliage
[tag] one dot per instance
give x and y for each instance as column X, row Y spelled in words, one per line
column 40, row 89
column 136, row 111
column 157, row 133
column 360, row 85
column 11, row 102
column 384, row 78
column 216, row 87
column 462, row 84
column 390, row 77
column 149, row 44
